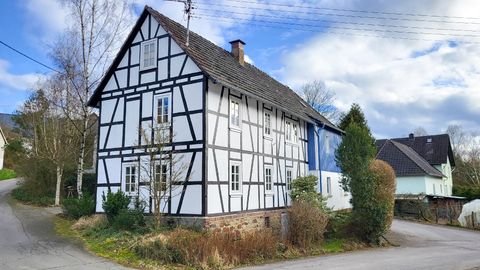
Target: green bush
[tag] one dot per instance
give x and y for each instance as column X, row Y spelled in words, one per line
column 7, row 174
column 79, row 207
column 24, row 195
column 129, row 219
column 469, row 192
column 305, row 189
column 113, row 203
column 374, row 213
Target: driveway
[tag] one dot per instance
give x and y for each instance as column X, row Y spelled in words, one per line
column 28, row 240
column 422, row 247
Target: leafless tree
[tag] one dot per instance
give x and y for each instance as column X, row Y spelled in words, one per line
column 82, row 55
column 317, row 95
column 165, row 170
column 466, row 148
column 53, row 138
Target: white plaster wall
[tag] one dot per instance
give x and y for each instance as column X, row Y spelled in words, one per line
column 338, row 199
column 129, row 116
column 249, row 138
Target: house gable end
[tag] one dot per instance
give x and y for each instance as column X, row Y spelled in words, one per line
column 127, row 71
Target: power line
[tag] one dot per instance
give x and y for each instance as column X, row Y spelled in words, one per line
column 339, row 22
column 325, row 30
column 341, row 27
column 28, row 57
column 359, row 11
column 340, row 15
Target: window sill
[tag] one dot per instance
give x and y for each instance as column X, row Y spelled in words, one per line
column 235, row 194
column 291, row 143
column 148, row 68
column 268, row 193
column 235, row 128
column 268, row 137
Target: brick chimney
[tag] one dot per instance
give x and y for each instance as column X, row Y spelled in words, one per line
column 237, row 51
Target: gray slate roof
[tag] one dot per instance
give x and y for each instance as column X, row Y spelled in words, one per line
column 222, row 67
column 433, row 148
column 405, row 161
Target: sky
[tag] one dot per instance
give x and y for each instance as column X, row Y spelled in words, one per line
column 407, row 63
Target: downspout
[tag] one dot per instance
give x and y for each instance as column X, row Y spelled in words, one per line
column 319, row 161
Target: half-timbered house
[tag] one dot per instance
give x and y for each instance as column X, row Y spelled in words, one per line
column 244, row 135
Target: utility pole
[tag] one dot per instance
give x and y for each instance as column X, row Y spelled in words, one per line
column 188, row 11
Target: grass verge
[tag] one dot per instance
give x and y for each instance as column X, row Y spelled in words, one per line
column 7, row 174
column 149, row 250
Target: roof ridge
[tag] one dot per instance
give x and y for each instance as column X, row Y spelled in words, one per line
column 399, row 146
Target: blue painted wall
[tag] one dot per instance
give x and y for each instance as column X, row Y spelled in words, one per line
column 329, row 142
column 312, row 160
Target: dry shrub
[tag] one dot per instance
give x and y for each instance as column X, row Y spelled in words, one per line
column 90, row 222
column 208, row 250
column 307, row 224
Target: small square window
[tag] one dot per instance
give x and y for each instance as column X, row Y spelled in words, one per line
column 163, row 109
column 235, row 178
column 267, row 124
column 235, row 113
column 148, row 54
column 161, row 177
column 268, row 179
column 289, row 179
column 130, row 178
column 329, row 185
column 288, row 131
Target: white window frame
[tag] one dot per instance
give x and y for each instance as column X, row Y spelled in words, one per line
column 142, row 55
column 167, row 178
column 294, row 132
column 136, row 175
column 329, row 186
column 269, row 122
column 288, row 131
column 265, row 177
column 155, row 113
column 230, row 176
column 289, row 179
column 230, row 119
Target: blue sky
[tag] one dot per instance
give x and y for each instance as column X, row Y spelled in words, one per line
column 427, row 76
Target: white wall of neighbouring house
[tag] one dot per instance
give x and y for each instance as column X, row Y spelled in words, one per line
column 420, row 185
column 446, row 169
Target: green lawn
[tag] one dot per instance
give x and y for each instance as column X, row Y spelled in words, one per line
column 7, row 174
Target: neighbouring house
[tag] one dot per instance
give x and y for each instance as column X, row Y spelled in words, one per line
column 244, row 135
column 3, row 143
column 423, row 165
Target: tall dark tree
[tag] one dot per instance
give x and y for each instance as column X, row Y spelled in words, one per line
column 354, row 155
column 354, row 115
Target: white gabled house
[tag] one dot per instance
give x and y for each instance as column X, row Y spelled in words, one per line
column 244, row 135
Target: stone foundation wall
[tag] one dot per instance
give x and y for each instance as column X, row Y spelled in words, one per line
column 239, row 222
column 244, row 222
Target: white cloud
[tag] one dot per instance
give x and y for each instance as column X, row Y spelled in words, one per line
column 45, row 19
column 249, row 60
column 20, row 82
column 397, row 91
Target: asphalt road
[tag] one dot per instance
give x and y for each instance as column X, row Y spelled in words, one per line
column 422, row 247
column 28, row 240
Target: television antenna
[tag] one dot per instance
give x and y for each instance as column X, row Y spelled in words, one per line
column 188, row 11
